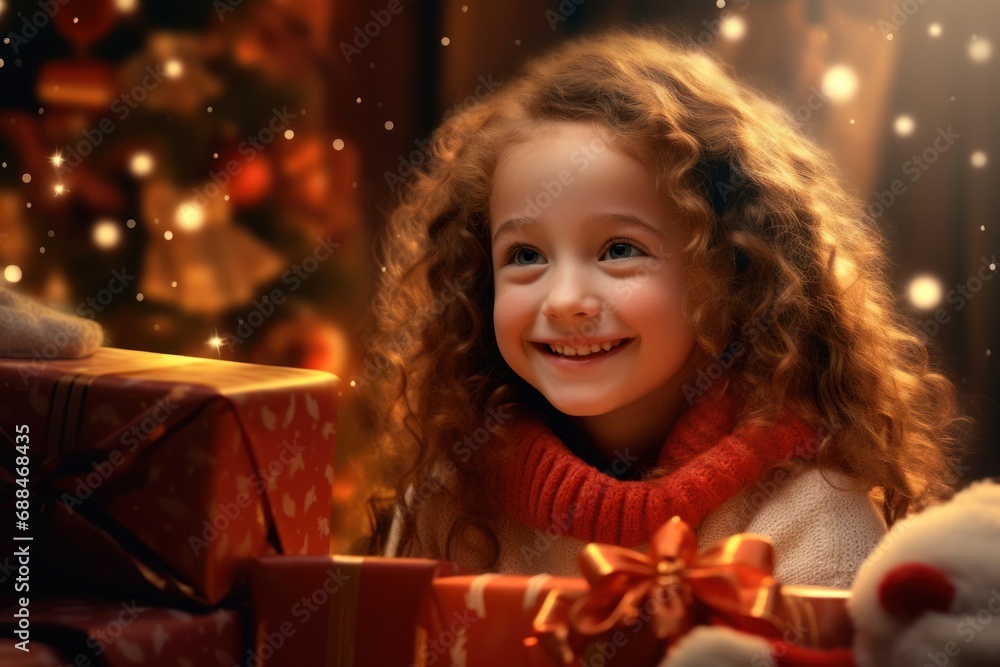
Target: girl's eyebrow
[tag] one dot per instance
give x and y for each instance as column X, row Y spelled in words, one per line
column 508, row 226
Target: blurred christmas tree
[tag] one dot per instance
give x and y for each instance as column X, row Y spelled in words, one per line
column 170, row 170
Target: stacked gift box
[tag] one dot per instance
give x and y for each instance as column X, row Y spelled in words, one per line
column 179, row 515
column 154, row 481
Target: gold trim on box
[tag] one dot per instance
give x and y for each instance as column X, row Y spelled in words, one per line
column 340, row 649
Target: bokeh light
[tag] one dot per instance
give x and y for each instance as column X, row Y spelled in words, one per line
column 106, row 234
column 12, row 273
column 840, row 83
column 925, row 291
column 980, row 50
column 173, row 68
column 141, row 164
column 189, row 216
column 904, row 125
column 733, row 28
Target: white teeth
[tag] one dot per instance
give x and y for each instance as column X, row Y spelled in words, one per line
column 584, row 350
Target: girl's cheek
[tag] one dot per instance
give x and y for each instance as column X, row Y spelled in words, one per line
column 654, row 304
column 505, row 302
column 510, row 313
column 645, row 290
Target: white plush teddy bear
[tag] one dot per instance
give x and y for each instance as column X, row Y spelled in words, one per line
column 927, row 596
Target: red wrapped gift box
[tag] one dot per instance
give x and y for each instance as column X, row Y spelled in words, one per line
column 482, row 620
column 170, row 469
column 339, row 611
column 639, row 605
column 124, row 634
column 628, row 608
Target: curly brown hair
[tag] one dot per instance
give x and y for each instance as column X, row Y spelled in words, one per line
column 775, row 239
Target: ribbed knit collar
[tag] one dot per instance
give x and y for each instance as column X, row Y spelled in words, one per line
column 707, row 456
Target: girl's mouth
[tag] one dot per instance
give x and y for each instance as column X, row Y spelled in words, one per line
column 582, row 353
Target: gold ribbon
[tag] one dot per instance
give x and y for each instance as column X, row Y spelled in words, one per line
column 343, row 613
column 69, row 393
column 673, row 588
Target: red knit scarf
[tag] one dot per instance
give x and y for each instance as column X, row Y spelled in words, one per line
column 708, row 457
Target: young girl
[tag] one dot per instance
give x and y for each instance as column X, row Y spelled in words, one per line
column 624, row 288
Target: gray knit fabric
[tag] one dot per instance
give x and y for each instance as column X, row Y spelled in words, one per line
column 28, row 330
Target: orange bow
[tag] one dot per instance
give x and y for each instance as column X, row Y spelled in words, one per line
column 672, row 589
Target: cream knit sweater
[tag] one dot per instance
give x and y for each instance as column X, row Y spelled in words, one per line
column 821, row 532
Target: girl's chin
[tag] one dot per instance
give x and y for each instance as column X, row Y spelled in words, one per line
column 581, row 408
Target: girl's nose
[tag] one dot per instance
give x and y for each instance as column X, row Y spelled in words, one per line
column 572, row 296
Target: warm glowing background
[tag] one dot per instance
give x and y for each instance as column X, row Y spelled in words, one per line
column 164, row 165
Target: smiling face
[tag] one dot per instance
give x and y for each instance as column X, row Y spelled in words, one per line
column 587, row 275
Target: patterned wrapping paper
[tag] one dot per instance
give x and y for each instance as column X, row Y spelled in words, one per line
column 339, row 611
column 171, row 470
column 105, row 633
column 482, row 620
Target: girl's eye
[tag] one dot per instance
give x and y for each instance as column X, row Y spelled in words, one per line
column 622, row 250
column 522, row 256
